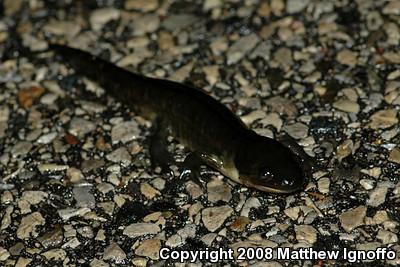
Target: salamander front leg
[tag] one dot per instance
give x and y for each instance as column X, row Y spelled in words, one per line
column 159, row 154
column 191, row 167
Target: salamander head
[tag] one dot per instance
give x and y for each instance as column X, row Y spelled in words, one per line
column 269, row 166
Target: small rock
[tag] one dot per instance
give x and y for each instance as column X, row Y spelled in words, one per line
column 378, row 195
column 346, row 106
column 145, row 24
column 294, row 6
column 383, row 119
column 148, row 191
column 83, row 196
column 68, row 28
column 34, row 197
column 241, row 47
column 214, row 217
column 218, row 191
column 26, row 97
column 102, row 16
column 282, row 106
column 68, row 213
column 394, row 155
column 149, row 248
column 141, row 5
column 140, row 229
column 80, row 127
column 347, row 57
column 52, row 238
column 323, row 185
column 125, row 132
column 177, row 22
column 283, row 56
column 114, row 253
column 345, row 149
column 387, row 237
column 50, row 167
column 194, row 189
column 353, row 218
column 292, row 213
column 297, row 130
column 120, row 155
column 98, row 263
column 47, row 138
column 28, row 225
column 56, row 254
column 306, row 233
column 21, row 149
column 4, row 254
column 75, row 176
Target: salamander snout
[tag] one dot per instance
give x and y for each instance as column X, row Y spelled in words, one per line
column 269, row 166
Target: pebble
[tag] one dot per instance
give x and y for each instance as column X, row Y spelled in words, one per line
column 306, row 233
column 149, row 248
column 294, row 6
column 27, row 97
column 52, row 238
column 383, row 119
column 148, row 191
column 283, row 56
column 344, row 150
column 47, row 138
column 353, row 218
column 177, row 22
column 4, row 254
column 74, row 175
column 394, row 155
column 214, row 217
column 120, row 155
column 114, row 253
column 378, row 195
column 387, row 237
column 34, row 197
column 80, row 127
column 140, row 229
column 218, row 191
column 145, row 24
column 83, row 196
column 21, row 149
column 347, row 57
column 297, row 130
column 194, row 189
column 323, row 185
column 50, row 167
column 68, row 213
column 124, row 132
column 98, row 263
column 102, row 16
column 28, row 225
column 282, row 106
column 67, row 28
column 347, row 106
column 142, row 5
column 56, row 254
column 180, row 238
column 241, row 47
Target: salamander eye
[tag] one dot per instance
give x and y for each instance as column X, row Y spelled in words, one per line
column 266, row 175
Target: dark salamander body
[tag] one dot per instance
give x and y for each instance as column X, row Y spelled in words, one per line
column 201, row 123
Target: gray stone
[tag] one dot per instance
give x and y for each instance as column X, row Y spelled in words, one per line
column 140, row 229
column 114, row 253
column 125, row 131
column 241, row 47
column 214, row 217
column 353, row 218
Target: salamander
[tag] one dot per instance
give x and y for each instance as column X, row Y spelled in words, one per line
column 214, row 134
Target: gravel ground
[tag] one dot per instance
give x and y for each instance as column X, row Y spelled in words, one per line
column 76, row 185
